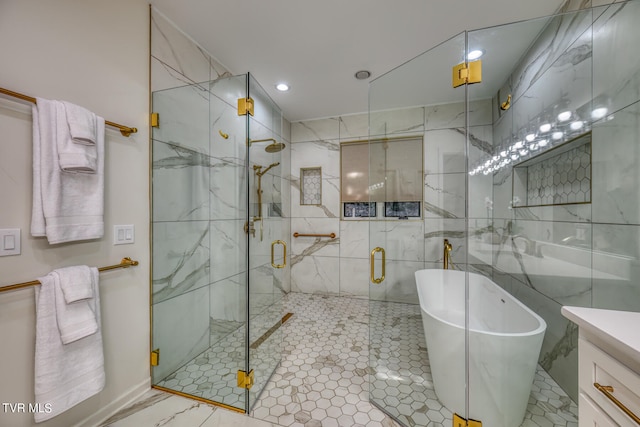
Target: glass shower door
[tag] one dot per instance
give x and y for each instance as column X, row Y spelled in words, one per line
column 199, row 280
column 266, row 240
column 416, row 141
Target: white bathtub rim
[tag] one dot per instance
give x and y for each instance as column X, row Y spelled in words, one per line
column 542, row 325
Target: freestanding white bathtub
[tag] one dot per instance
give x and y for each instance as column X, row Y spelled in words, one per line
column 504, row 343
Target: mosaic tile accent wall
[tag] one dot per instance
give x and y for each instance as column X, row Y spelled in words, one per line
column 561, row 179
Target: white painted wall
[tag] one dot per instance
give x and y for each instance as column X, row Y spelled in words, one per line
column 96, row 54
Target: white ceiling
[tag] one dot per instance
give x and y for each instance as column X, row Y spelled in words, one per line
column 317, row 46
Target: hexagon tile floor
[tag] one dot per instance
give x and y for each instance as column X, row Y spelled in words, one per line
column 324, row 378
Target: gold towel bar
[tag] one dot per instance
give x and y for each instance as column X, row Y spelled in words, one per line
column 124, row 130
column 332, row 235
column 607, row 391
column 126, row 262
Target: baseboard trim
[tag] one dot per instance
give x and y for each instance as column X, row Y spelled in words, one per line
column 113, row 407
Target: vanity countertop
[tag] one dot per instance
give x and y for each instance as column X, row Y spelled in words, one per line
column 618, row 332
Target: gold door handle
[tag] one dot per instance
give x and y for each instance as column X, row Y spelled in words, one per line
column 373, row 254
column 284, row 256
column 607, row 391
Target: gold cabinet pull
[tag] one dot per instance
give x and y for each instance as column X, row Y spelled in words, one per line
column 284, row 256
column 373, row 254
column 607, row 390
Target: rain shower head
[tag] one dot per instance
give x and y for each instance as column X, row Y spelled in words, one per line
column 271, row 148
column 274, row 148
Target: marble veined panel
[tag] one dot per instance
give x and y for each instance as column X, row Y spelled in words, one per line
column 228, row 249
column 184, row 117
column 396, row 122
column 354, row 127
column 180, row 183
column 616, row 65
column 228, row 299
column 319, row 246
column 324, row 154
column 330, row 207
column 444, row 195
column 171, row 46
column 435, row 231
column 315, row 274
column 444, row 151
column 181, row 258
column 354, row 239
column 401, row 239
column 315, row 130
column 616, row 177
column 181, row 330
column 354, row 277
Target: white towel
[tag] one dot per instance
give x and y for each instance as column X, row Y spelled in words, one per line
column 66, row 206
column 74, row 306
column 78, row 153
column 65, row 374
column 75, row 283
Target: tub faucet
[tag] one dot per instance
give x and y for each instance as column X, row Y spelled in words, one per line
column 447, row 255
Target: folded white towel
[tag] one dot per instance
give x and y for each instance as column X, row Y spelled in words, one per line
column 68, row 206
column 75, row 283
column 76, row 320
column 82, row 124
column 65, row 374
column 78, row 153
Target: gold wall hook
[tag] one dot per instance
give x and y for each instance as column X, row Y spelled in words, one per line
column 506, row 104
column 224, row 135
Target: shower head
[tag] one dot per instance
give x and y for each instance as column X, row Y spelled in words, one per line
column 274, row 148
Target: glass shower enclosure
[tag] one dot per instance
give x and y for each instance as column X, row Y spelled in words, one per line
column 530, row 195
column 217, row 241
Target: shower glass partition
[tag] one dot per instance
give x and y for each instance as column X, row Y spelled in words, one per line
column 532, row 177
column 216, row 291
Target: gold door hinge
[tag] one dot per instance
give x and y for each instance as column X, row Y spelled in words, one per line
column 155, row 120
column 458, row 421
column 245, row 380
column 155, row 357
column 245, row 106
column 467, row 73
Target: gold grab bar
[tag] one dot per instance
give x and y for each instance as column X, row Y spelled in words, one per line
column 373, row 254
column 126, row 262
column 332, row 235
column 607, row 390
column 284, row 256
column 124, row 130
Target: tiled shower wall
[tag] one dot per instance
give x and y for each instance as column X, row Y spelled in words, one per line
column 199, row 250
column 586, row 255
column 341, row 266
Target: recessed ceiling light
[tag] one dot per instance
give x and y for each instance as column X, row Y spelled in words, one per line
column 282, row 87
column 475, row 54
column 362, row 74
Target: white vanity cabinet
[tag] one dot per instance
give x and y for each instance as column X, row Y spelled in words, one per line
column 608, row 367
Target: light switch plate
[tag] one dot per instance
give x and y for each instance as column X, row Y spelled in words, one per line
column 9, row 241
column 123, row 234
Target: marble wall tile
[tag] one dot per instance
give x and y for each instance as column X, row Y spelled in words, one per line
column 184, row 117
column 444, row 151
column 559, row 352
column 396, row 122
column 180, row 329
column 401, row 239
column 354, row 239
column 444, row 195
column 229, row 89
column 319, row 246
column 228, row 248
column 354, row 277
column 446, row 116
column 481, row 198
column 330, row 207
column 228, row 299
column 354, row 127
column 324, row 154
column 616, row 280
column 172, row 47
column 616, row 178
column 180, row 183
column 399, row 284
column 315, row 130
column 164, row 77
column 181, row 258
column 436, row 230
column 315, row 275
column 481, row 144
column 560, row 33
